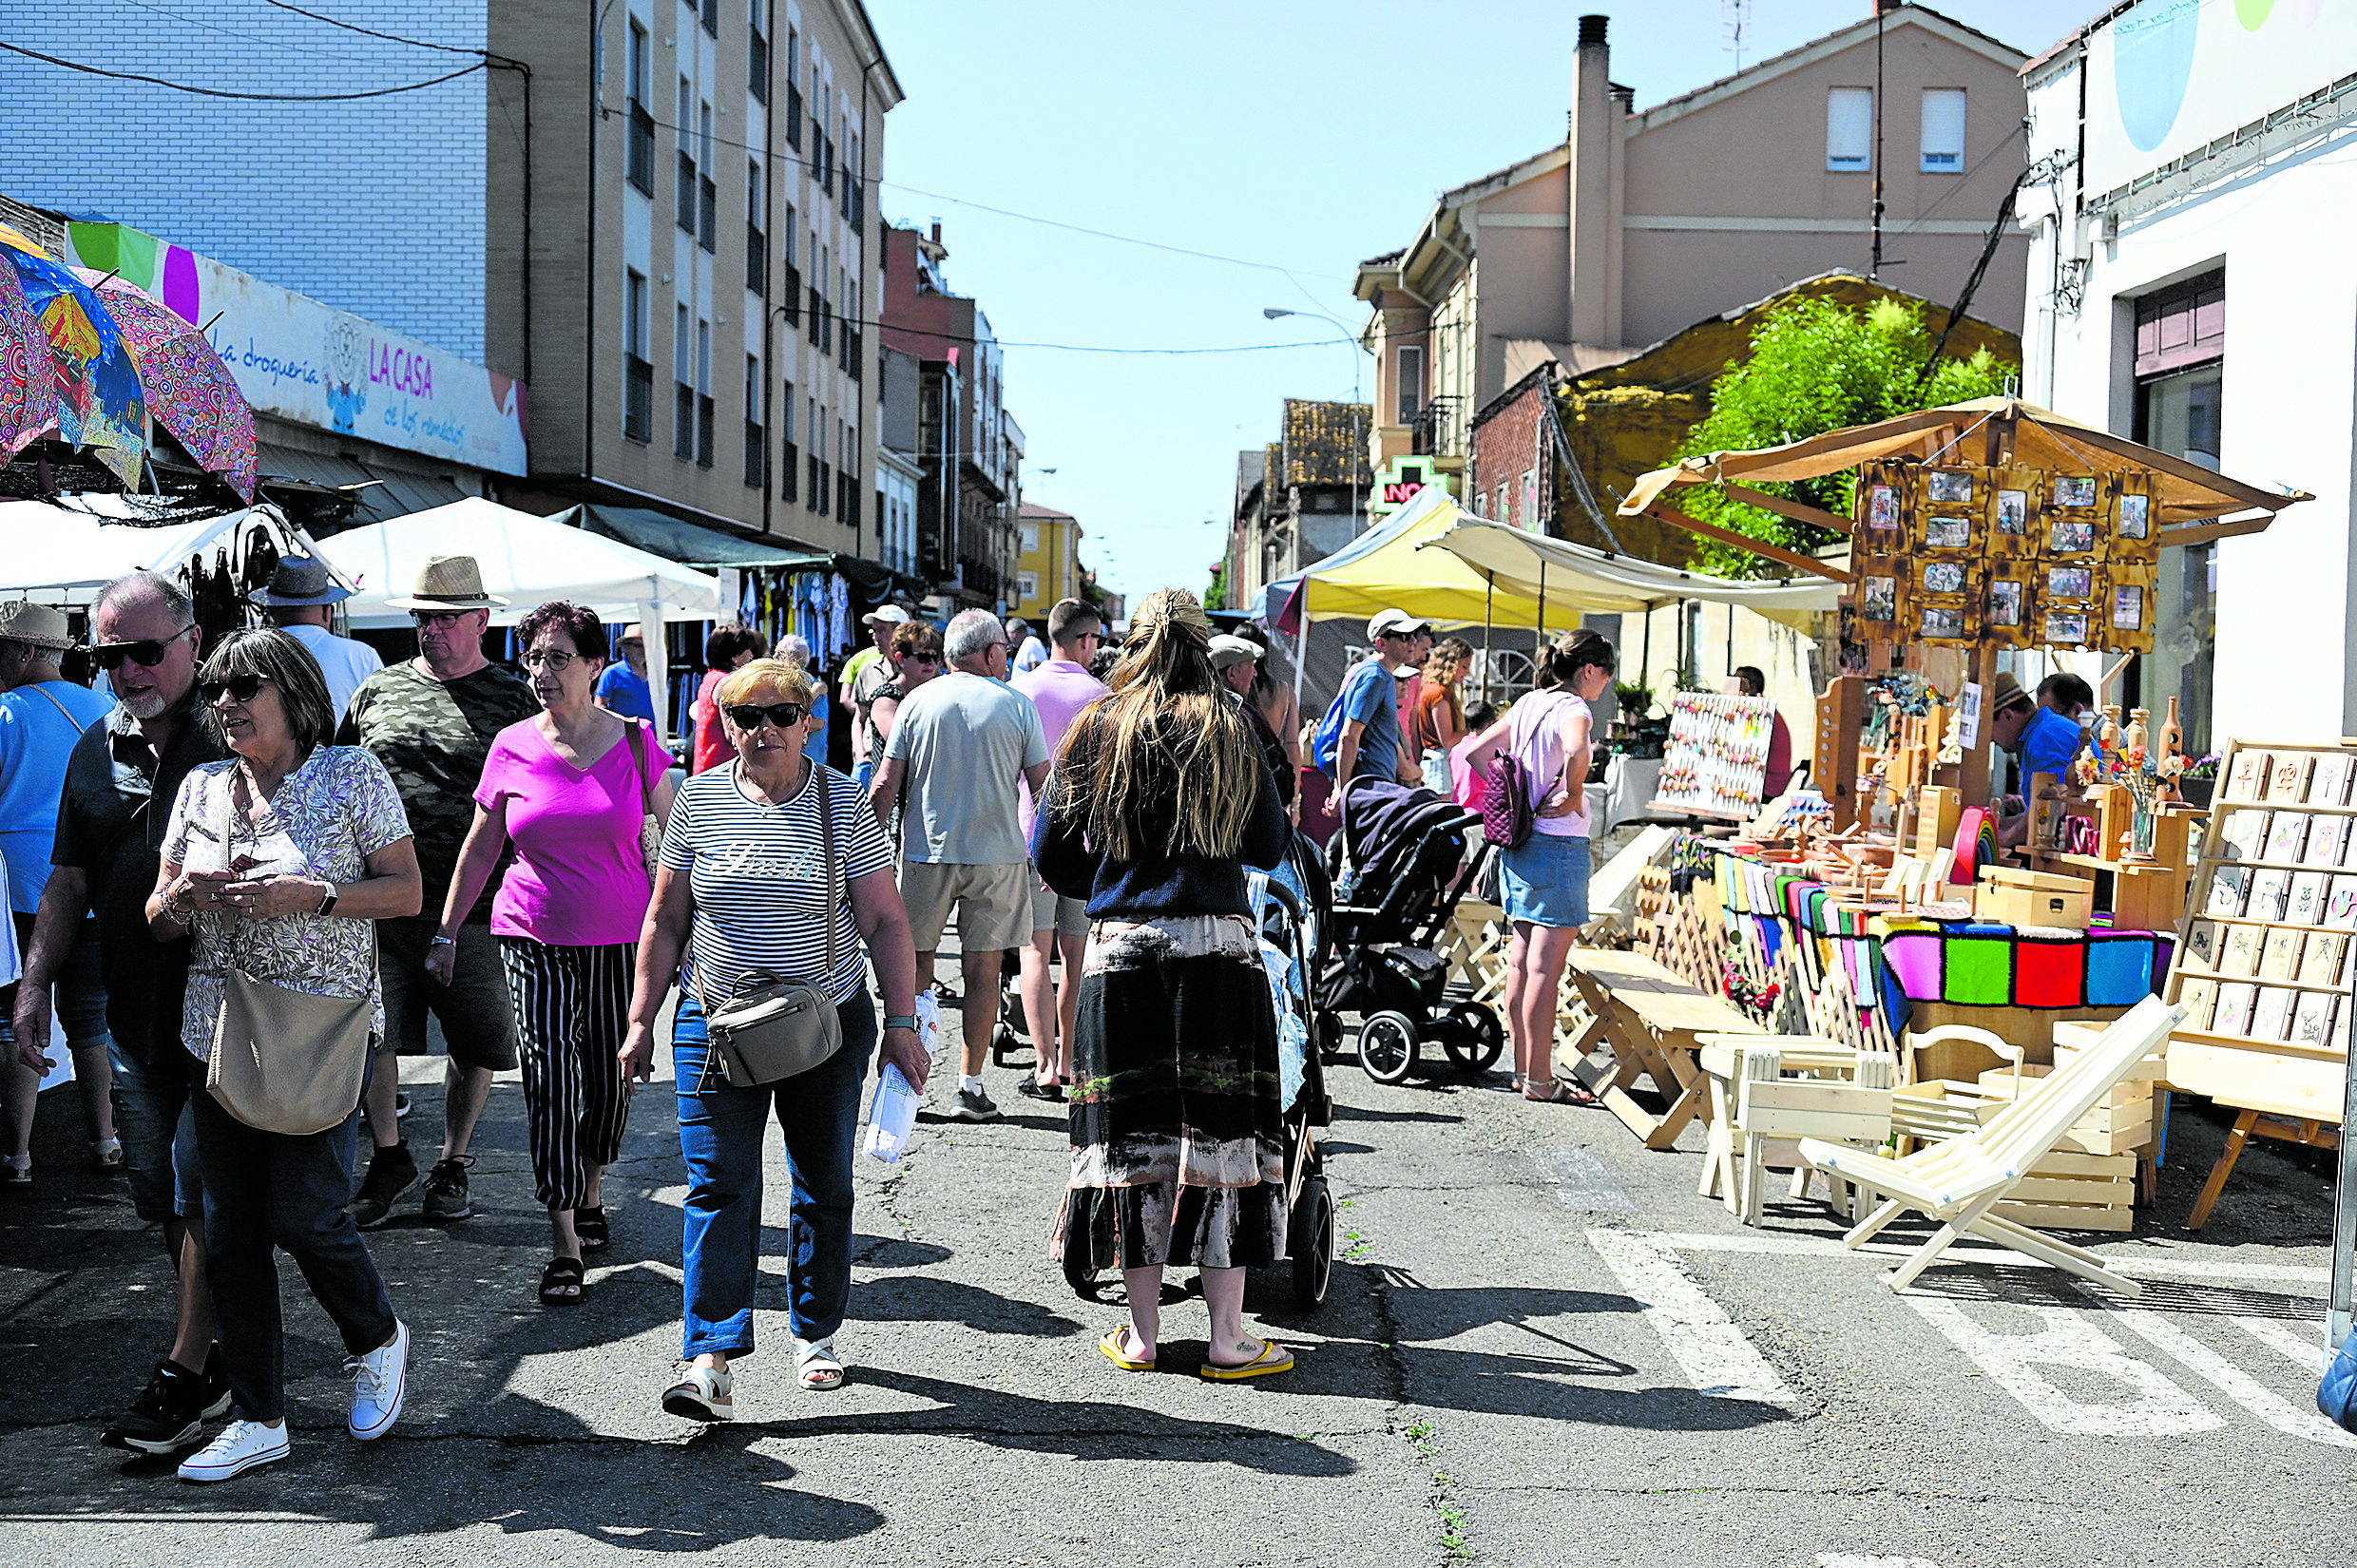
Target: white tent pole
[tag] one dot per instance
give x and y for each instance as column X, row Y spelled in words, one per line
column 1301, row 663
column 657, row 659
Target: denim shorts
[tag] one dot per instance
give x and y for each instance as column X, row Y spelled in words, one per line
column 159, row 1134
column 1546, row 882
column 79, row 995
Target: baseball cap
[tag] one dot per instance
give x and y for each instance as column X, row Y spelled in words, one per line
column 892, row 615
column 1394, row 623
column 1227, row 650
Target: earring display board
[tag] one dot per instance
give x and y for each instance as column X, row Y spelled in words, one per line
column 1715, row 762
column 2270, row 934
column 1969, row 556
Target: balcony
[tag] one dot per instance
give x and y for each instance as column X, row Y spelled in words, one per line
column 682, row 421
column 685, row 212
column 789, row 471
column 704, row 433
column 1437, row 431
column 708, row 215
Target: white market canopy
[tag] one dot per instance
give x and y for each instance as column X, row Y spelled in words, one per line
column 527, row 560
column 62, row 556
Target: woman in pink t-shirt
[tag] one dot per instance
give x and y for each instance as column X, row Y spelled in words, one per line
column 569, row 790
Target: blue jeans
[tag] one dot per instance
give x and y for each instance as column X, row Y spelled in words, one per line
column 264, row 1194
column 720, row 1134
column 863, row 775
column 159, row 1134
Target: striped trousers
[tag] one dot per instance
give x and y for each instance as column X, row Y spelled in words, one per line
column 572, row 1008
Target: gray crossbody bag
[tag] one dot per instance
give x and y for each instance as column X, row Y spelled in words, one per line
column 775, row 1030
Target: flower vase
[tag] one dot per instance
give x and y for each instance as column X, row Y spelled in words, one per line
column 2142, row 821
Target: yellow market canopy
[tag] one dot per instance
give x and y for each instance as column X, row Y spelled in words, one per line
column 1992, row 431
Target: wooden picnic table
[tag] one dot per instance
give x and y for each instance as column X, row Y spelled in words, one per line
column 1651, row 1022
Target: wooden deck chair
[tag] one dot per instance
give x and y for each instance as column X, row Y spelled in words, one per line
column 1956, row 1183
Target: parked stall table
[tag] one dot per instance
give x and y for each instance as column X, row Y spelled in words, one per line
column 1652, row 1022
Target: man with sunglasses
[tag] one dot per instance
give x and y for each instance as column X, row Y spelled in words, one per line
column 430, row 720
column 120, row 783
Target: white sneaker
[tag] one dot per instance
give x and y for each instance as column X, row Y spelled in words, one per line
column 242, row 1446
column 379, row 1380
column 705, row 1395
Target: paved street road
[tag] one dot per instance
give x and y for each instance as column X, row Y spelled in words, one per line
column 1543, row 1348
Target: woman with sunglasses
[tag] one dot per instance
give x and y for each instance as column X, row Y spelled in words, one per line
column 277, row 861
column 917, row 658
column 568, row 789
column 748, row 889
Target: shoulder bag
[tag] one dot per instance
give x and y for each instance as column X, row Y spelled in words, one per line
column 285, row 1061
column 775, row 1030
column 650, row 827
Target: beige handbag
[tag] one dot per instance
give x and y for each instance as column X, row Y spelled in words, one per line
column 774, row 1029
column 650, row 827
column 286, row 1060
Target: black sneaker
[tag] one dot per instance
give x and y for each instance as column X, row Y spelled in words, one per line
column 172, row 1409
column 390, row 1172
column 1031, row 1088
column 446, row 1189
column 973, row 1105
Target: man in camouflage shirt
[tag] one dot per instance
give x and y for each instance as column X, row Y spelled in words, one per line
column 431, row 721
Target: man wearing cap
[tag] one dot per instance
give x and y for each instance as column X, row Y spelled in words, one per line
column 431, row 721
column 1370, row 744
column 623, row 688
column 863, row 675
column 1233, row 660
column 1059, row 688
column 296, row 601
column 1030, row 653
column 42, row 716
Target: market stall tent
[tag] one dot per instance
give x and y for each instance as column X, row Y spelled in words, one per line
column 63, row 557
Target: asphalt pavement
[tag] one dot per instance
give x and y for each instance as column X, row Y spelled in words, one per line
column 1540, row 1346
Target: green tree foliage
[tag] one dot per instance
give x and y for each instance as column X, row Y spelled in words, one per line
column 1816, row 367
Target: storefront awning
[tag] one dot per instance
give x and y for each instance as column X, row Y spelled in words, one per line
column 378, row 491
column 689, row 543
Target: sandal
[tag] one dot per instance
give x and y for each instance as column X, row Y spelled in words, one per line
column 703, row 1395
column 815, row 1365
column 1272, row 1358
column 1115, row 1348
column 590, row 1229
column 106, row 1156
column 561, row 1282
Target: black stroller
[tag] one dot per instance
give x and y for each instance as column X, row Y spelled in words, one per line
column 1402, row 863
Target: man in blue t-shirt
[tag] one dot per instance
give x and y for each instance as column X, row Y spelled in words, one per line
column 2053, row 736
column 1370, row 746
column 623, row 688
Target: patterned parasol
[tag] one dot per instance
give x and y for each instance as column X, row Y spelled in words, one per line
column 98, row 403
column 28, row 398
column 188, row 387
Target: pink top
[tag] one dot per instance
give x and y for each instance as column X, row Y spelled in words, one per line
column 578, row 880
column 1535, row 735
column 1472, row 785
column 1059, row 689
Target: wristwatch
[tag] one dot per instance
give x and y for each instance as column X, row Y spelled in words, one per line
column 443, row 941
column 901, row 1020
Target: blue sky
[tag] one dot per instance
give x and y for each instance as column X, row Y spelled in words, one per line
column 1297, row 137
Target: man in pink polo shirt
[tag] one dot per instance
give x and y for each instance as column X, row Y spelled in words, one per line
column 1060, row 688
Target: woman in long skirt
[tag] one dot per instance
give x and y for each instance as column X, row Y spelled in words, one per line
column 1158, row 801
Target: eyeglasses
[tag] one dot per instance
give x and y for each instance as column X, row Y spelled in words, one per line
column 440, row 620
column 920, row 659
column 240, row 687
column 748, row 715
column 147, row 651
column 553, row 660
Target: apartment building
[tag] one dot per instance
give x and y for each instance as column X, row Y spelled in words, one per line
column 1048, row 565
column 1641, row 223
column 655, row 213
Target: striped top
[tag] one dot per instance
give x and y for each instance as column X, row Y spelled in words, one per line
column 760, row 884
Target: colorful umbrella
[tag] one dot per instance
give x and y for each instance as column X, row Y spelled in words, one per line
column 28, row 398
column 99, row 401
column 188, row 387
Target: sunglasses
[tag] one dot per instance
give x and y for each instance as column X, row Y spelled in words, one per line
column 240, row 687
column 149, row 651
column 440, row 620
column 920, row 659
column 747, row 716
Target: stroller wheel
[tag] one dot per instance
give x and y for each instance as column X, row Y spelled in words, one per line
column 1386, row 1046
column 1473, row 1038
column 1312, row 1233
column 1003, row 1046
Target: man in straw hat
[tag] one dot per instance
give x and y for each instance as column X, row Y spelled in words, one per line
column 40, row 716
column 431, row 721
column 623, row 687
column 297, row 600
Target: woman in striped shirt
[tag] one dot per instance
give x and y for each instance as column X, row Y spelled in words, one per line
column 746, row 890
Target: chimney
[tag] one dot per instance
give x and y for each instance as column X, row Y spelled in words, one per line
column 1592, row 31
column 936, row 231
column 1591, row 311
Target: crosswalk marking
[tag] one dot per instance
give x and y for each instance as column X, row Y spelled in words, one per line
column 2230, row 1380
column 1718, row 1360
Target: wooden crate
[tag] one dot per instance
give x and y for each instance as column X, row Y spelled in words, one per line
column 2012, row 897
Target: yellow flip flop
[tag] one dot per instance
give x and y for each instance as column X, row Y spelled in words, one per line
column 1272, row 1358
column 1111, row 1345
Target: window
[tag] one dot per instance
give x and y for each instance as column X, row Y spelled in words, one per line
column 756, row 240
column 682, row 388
column 638, row 387
column 789, row 459
column 1943, row 130
column 685, row 212
column 756, row 53
column 2180, row 346
column 708, row 195
column 1030, row 537
column 1849, row 129
column 855, row 186
column 815, row 493
column 790, row 297
column 638, row 165
column 794, row 90
column 1028, row 586
column 711, row 17
column 756, row 434
column 703, row 393
column 1410, row 382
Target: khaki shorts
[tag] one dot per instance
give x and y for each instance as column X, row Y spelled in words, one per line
column 993, row 904
column 1052, row 910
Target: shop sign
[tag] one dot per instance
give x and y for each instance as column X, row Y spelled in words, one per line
column 312, row 364
column 1399, row 484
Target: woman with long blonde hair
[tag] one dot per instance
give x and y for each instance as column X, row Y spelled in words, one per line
column 1158, row 801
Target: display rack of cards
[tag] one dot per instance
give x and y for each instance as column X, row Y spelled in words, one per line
column 2270, row 939
column 1716, row 763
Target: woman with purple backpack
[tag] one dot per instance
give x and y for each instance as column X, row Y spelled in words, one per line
column 1537, row 763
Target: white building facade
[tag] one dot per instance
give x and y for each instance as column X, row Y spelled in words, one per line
column 2192, row 285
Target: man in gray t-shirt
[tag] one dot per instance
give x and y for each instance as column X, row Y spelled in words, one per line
column 958, row 747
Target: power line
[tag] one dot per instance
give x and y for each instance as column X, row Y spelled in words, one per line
column 218, row 92
column 387, row 37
